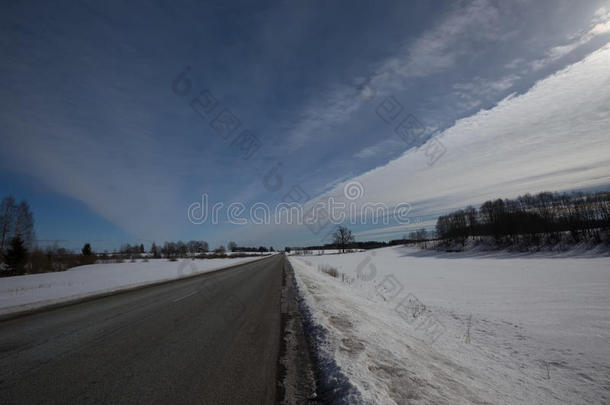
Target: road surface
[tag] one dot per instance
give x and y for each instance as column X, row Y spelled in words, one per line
column 210, row 339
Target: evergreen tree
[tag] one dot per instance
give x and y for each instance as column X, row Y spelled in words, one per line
column 86, row 250
column 16, row 256
column 154, row 251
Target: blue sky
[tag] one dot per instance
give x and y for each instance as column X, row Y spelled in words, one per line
column 97, row 140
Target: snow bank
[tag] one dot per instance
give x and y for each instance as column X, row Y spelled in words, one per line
column 22, row 292
column 332, row 385
column 413, row 328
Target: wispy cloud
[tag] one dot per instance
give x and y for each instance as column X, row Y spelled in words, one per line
column 389, row 231
column 381, row 149
column 554, row 137
column 434, row 51
column 439, row 48
column 600, row 25
column 322, row 115
column 88, row 109
column 473, row 93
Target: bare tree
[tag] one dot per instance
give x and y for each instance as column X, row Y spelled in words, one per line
column 232, row 246
column 16, row 220
column 181, row 248
column 422, row 236
column 342, row 237
column 169, row 250
column 7, row 221
column 471, row 218
column 192, row 246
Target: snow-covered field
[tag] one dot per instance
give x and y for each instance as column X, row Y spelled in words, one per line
column 413, row 327
column 22, row 292
column 317, row 252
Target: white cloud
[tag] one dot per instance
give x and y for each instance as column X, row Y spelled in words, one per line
column 464, row 97
column 554, row 137
column 382, row 148
column 600, row 26
column 600, row 29
column 601, row 14
column 515, row 63
column 473, row 93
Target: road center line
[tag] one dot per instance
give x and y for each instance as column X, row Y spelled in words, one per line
column 186, row 296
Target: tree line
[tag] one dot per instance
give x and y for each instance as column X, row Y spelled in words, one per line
column 253, row 249
column 20, row 254
column 167, row 249
column 193, row 248
column 543, row 218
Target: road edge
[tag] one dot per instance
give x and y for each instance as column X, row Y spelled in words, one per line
column 296, row 374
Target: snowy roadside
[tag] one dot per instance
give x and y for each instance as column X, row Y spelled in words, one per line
column 31, row 291
column 409, row 329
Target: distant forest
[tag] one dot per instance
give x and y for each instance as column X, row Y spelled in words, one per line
column 544, row 218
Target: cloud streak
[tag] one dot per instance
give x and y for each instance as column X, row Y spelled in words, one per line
column 554, row 137
column 600, row 25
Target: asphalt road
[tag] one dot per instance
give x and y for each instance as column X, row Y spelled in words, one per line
column 211, row 339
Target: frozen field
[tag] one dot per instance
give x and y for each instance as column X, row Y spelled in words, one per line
column 32, row 290
column 412, row 327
